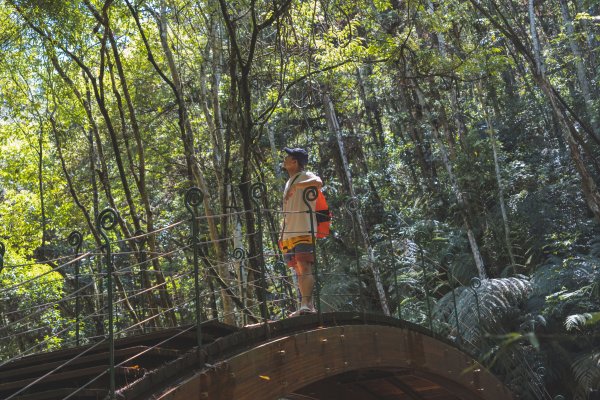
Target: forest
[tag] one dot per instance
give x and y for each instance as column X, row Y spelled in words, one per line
column 458, row 143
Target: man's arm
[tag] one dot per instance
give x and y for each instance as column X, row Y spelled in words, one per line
column 311, row 181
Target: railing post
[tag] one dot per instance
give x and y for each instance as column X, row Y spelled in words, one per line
column 2, row 252
column 257, row 191
column 474, row 285
column 193, row 198
column 140, row 240
column 281, row 269
column 426, row 288
column 309, row 195
column 352, row 207
column 239, row 255
column 388, row 223
column 107, row 221
column 451, row 279
column 75, row 239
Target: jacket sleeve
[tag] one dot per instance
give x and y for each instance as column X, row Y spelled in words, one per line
column 309, row 178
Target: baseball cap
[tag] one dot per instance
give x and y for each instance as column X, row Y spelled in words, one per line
column 299, row 154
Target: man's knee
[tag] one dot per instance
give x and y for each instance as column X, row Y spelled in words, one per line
column 304, row 267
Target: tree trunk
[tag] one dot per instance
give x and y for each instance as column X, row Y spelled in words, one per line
column 500, row 188
column 41, row 184
column 535, row 39
column 590, row 37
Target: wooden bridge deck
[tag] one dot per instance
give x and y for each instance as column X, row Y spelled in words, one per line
column 349, row 356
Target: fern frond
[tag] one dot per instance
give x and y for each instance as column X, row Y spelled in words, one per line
column 578, row 321
column 485, row 309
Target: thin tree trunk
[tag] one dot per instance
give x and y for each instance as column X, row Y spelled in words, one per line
column 41, row 185
column 590, row 37
column 500, row 183
column 535, row 39
column 334, row 127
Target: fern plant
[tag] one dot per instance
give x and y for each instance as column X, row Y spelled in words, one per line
column 586, row 373
column 491, row 320
column 487, row 309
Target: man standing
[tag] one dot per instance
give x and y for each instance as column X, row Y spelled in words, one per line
column 296, row 239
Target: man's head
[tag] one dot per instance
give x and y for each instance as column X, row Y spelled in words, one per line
column 295, row 156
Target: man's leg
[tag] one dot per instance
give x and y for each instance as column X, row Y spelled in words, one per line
column 306, row 282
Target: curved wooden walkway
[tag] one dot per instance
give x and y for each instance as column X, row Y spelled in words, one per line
column 348, row 356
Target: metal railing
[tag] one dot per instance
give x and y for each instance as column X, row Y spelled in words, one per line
column 110, row 291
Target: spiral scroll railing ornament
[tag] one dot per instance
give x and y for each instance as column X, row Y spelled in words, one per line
column 75, row 239
column 352, row 204
column 107, row 220
column 310, row 193
column 193, row 197
column 238, row 254
column 258, row 191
